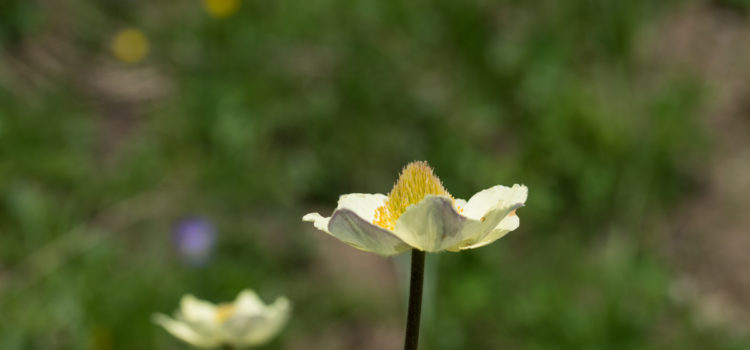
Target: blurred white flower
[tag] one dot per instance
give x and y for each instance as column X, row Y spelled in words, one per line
column 419, row 213
column 245, row 322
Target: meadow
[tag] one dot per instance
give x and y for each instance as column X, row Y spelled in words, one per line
column 250, row 118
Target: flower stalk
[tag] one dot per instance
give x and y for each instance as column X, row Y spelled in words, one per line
column 414, row 311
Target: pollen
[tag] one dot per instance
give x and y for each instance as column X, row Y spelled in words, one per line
column 224, row 312
column 416, row 181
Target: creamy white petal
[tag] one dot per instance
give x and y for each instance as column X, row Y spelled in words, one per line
column 274, row 318
column 184, row 332
column 508, row 224
column 431, row 225
column 194, row 310
column 476, row 230
column 460, row 204
column 491, row 213
column 355, row 231
column 352, row 220
column 363, row 204
column 488, row 199
column 256, row 328
column 248, row 303
column 318, row 221
column 351, row 228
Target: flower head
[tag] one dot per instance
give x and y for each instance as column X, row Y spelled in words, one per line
column 245, row 322
column 195, row 239
column 419, row 213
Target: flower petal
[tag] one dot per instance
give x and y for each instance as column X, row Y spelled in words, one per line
column 509, row 223
column 460, row 204
column 260, row 329
column 431, row 225
column 318, row 221
column 484, row 201
column 248, row 303
column 352, row 220
column 351, row 228
column 195, row 310
column 184, row 332
column 492, row 214
column 363, row 204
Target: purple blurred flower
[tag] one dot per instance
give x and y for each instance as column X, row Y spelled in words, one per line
column 194, row 239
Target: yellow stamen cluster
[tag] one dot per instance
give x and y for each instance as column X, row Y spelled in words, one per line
column 224, row 312
column 416, row 180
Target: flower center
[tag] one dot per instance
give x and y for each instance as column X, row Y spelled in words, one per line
column 224, row 312
column 416, row 180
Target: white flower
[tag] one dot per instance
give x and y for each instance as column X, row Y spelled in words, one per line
column 245, row 322
column 419, row 213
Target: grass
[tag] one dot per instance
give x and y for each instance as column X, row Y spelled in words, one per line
column 275, row 111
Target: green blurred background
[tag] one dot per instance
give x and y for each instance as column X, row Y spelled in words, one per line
column 245, row 118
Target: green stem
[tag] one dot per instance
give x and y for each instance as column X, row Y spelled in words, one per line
column 415, row 300
column 227, row 347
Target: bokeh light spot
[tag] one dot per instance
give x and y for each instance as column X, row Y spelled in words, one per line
column 221, row 8
column 129, row 45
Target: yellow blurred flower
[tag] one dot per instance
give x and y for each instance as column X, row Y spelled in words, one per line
column 245, row 322
column 419, row 213
column 221, row 8
column 129, row 45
